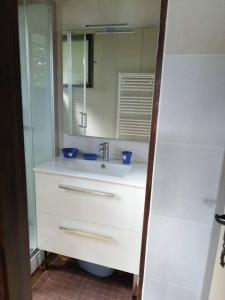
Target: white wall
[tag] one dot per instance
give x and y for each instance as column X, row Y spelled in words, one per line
column 187, row 184
column 134, row 12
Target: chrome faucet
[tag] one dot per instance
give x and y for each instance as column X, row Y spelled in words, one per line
column 104, row 148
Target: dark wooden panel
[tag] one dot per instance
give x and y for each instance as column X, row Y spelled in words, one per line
column 13, row 206
column 151, row 156
column 3, row 277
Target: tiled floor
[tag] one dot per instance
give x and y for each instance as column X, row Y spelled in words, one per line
column 66, row 281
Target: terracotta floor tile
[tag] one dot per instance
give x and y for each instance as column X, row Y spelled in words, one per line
column 66, row 281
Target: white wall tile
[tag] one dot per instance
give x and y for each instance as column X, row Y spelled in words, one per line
column 195, row 27
column 177, row 252
column 91, row 144
column 192, row 102
column 156, row 290
column 186, row 182
column 188, row 179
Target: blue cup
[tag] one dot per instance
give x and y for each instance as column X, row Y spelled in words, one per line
column 126, row 157
column 70, row 152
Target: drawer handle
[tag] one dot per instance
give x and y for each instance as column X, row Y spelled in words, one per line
column 86, row 234
column 88, row 191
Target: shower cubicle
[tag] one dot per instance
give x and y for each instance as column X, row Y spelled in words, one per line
column 36, row 58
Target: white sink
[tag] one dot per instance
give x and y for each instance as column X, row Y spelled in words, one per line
column 97, row 167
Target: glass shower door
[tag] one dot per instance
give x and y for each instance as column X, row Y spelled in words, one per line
column 35, row 28
column 39, row 19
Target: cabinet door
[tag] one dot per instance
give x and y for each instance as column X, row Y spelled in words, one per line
column 103, row 245
column 98, row 202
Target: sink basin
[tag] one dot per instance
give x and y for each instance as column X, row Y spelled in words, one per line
column 97, row 167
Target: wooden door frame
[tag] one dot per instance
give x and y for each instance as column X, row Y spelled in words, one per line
column 152, row 143
column 14, row 242
column 3, row 274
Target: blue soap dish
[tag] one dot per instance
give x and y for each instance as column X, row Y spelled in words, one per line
column 70, row 152
column 90, row 156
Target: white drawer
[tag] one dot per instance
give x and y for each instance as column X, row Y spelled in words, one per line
column 107, row 246
column 93, row 201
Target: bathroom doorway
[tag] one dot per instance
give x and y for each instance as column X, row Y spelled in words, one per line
column 121, row 49
column 21, row 288
column 14, row 243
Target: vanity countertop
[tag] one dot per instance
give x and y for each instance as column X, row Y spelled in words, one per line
column 135, row 173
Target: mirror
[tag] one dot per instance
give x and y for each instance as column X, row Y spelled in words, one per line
column 108, row 80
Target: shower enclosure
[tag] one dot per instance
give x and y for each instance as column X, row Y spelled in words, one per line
column 36, row 57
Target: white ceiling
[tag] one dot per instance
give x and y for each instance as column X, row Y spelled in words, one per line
column 78, row 13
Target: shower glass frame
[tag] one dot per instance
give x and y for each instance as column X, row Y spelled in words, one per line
column 32, row 154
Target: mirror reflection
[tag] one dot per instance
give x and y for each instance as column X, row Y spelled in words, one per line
column 108, row 80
